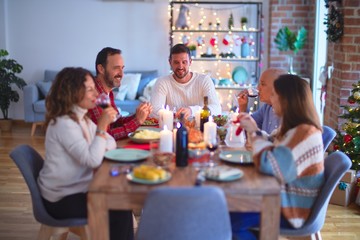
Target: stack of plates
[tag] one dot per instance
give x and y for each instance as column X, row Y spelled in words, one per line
column 240, row 75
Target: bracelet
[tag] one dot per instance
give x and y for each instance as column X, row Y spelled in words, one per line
column 100, row 132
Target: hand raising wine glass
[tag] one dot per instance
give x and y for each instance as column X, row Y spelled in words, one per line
column 103, row 101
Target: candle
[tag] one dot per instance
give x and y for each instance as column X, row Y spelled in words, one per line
column 197, row 119
column 174, row 138
column 168, row 118
column 160, row 113
column 209, row 129
column 166, row 140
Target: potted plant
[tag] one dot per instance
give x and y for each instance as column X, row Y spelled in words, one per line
column 8, row 70
column 286, row 40
column 243, row 23
column 192, row 49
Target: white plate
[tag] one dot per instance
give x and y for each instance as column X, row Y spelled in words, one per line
column 225, row 179
column 131, row 178
column 127, row 155
column 240, row 157
column 143, row 140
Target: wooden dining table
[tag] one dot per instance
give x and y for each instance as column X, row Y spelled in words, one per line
column 253, row 192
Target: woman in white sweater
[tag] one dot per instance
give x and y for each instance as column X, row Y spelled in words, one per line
column 74, row 147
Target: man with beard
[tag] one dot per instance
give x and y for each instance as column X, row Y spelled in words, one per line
column 109, row 72
column 183, row 90
column 264, row 117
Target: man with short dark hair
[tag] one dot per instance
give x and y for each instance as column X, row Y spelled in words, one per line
column 109, row 66
column 184, row 90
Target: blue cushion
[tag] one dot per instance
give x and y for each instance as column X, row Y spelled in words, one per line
column 44, row 87
column 50, row 75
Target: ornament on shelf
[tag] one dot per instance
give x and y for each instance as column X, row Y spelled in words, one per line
column 185, row 40
column 181, row 20
column 231, row 21
column 200, row 40
column 226, row 40
column 237, row 40
column 213, row 41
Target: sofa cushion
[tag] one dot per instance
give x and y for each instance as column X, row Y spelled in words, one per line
column 146, row 77
column 44, row 87
column 128, row 105
column 39, row 106
column 121, row 93
column 50, row 75
column 131, row 81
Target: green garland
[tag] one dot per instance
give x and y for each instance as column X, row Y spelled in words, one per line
column 335, row 23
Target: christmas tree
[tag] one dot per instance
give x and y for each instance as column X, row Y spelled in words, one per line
column 348, row 141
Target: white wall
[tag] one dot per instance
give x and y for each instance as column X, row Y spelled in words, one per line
column 49, row 34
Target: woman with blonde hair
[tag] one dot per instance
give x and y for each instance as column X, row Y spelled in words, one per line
column 293, row 154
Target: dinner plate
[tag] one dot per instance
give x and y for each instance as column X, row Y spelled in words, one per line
column 237, row 156
column 226, row 179
column 131, row 178
column 127, row 155
column 240, row 75
column 143, row 140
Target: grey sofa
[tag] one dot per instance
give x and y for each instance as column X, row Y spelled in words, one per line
column 34, row 96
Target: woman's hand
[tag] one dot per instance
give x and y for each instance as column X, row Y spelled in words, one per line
column 107, row 116
column 247, row 122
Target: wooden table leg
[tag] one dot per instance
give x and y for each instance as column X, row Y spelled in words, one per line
column 98, row 216
column 270, row 217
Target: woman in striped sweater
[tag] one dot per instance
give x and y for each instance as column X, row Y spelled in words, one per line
column 293, row 154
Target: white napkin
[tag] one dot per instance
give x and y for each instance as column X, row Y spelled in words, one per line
column 222, row 172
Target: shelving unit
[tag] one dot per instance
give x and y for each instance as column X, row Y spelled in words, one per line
column 207, row 26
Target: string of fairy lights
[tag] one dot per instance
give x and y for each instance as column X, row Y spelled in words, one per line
column 205, row 24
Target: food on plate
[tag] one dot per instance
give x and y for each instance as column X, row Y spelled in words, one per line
column 195, row 135
column 151, row 122
column 190, row 123
column 146, row 134
column 200, row 145
column 149, row 172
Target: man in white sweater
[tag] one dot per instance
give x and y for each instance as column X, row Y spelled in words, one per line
column 183, row 90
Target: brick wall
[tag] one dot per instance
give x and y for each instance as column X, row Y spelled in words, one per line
column 345, row 56
column 293, row 14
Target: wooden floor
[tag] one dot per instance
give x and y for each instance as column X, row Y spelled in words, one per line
column 17, row 221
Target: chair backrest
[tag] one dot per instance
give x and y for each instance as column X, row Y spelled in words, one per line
column 30, row 162
column 185, row 213
column 336, row 164
column 327, row 136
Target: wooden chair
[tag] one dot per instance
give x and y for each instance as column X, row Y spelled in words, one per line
column 30, row 163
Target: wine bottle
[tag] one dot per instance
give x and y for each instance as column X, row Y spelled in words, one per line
column 204, row 114
column 182, row 144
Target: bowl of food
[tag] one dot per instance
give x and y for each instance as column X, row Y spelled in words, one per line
column 145, row 135
column 163, row 159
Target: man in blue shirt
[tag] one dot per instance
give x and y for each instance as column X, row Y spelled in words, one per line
column 264, row 116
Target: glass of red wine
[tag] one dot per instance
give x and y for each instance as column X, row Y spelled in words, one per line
column 103, row 101
column 252, row 92
column 212, row 144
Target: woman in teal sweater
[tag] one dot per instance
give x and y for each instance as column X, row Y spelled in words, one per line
column 294, row 154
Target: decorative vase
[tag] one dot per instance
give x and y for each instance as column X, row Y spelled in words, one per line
column 290, row 62
column 193, row 53
column 5, row 125
column 245, row 50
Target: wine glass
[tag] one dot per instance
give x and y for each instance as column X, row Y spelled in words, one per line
column 252, row 92
column 212, row 144
column 103, row 101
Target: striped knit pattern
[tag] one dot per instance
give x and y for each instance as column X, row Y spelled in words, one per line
column 167, row 91
column 297, row 162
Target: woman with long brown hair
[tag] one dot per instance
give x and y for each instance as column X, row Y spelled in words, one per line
column 74, row 147
column 293, row 154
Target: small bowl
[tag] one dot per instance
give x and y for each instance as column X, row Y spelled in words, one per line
column 163, row 159
column 197, row 153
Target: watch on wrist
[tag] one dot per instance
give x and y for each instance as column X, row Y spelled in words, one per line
column 98, row 131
